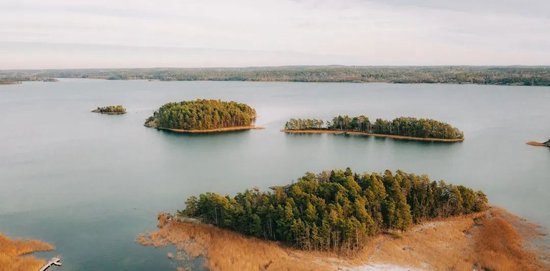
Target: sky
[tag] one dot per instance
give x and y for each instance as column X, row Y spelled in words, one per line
column 236, row 33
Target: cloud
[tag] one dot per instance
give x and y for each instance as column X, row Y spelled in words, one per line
column 365, row 32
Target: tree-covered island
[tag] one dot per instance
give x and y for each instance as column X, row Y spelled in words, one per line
column 335, row 210
column 203, row 116
column 111, row 110
column 399, row 128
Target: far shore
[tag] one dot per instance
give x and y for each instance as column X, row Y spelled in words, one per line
column 208, row 131
column 339, row 132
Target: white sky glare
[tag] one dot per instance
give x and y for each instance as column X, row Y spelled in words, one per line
column 230, row 33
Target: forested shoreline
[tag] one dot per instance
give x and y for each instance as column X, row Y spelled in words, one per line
column 486, row 75
column 335, row 210
column 402, row 126
column 202, row 115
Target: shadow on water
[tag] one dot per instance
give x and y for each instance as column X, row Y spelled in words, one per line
column 202, row 135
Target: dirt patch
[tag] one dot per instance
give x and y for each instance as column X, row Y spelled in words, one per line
column 493, row 240
column 14, row 254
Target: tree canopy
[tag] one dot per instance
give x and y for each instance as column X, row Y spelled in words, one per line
column 402, row 126
column 202, row 115
column 335, row 210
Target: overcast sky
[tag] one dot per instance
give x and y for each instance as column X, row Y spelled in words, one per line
column 229, row 33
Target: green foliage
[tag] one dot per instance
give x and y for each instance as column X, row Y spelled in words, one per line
column 117, row 109
column 304, row 124
column 403, row 126
column 202, row 115
column 336, row 210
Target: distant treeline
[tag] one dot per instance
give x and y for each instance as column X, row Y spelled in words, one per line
column 402, row 126
column 335, row 210
column 202, row 115
column 508, row 75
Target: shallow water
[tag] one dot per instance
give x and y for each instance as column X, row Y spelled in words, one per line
column 90, row 183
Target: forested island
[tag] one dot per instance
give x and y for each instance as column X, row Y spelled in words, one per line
column 399, row 128
column 111, row 110
column 335, row 210
column 490, row 75
column 203, row 116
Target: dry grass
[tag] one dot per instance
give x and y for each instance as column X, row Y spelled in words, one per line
column 499, row 243
column 339, row 132
column 226, row 250
column 494, row 240
column 13, row 254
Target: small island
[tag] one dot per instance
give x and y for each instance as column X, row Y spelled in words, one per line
column 404, row 128
column 203, row 116
column 111, row 110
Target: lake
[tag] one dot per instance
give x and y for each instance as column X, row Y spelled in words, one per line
column 90, row 183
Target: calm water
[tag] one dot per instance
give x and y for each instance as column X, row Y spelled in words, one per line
column 90, row 183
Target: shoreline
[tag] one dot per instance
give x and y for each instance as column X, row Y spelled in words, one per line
column 15, row 254
column 493, row 239
column 209, row 131
column 398, row 137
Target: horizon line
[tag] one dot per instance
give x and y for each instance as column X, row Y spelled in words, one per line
column 290, row 66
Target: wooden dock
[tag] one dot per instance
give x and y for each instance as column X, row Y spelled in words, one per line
column 54, row 261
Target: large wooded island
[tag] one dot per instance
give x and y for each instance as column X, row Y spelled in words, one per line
column 341, row 220
column 404, row 128
column 203, row 116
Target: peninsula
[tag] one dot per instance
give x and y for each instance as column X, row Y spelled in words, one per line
column 203, row 116
column 335, row 219
column 403, row 128
column 111, row 110
column 538, row 144
column 14, row 254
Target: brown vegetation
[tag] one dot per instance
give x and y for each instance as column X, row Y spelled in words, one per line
column 14, row 254
column 492, row 240
column 339, row 132
column 534, row 143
